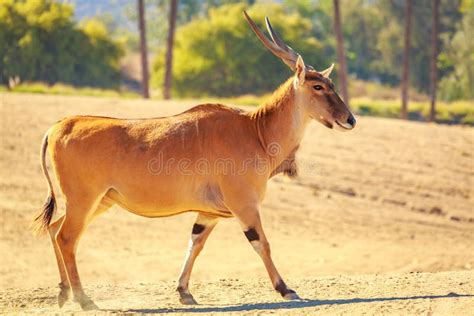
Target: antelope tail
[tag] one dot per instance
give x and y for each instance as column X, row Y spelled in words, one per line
column 42, row 221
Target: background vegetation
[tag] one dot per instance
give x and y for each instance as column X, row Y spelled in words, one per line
column 39, row 41
column 217, row 55
column 373, row 33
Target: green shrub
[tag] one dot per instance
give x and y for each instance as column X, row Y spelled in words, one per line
column 40, row 42
column 64, row 89
column 219, row 55
column 459, row 112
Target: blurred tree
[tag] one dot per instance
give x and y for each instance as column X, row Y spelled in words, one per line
column 219, row 54
column 169, row 50
column 96, row 58
column 372, row 32
column 156, row 11
column 389, row 43
column 341, row 58
column 434, row 58
column 40, row 42
column 406, row 58
column 458, row 59
column 362, row 23
column 143, row 49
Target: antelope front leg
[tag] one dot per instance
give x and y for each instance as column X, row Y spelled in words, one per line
column 202, row 228
column 251, row 224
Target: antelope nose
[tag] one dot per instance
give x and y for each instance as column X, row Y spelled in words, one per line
column 351, row 120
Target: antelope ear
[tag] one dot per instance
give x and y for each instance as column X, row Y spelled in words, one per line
column 300, row 72
column 326, row 72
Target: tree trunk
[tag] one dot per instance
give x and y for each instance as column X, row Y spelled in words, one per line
column 341, row 58
column 434, row 57
column 406, row 57
column 169, row 50
column 143, row 49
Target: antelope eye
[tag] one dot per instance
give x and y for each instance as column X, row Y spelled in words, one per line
column 318, row 87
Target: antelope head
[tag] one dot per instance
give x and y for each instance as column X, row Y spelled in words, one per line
column 314, row 90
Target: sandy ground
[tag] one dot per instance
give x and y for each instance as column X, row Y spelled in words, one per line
column 389, row 198
column 443, row 293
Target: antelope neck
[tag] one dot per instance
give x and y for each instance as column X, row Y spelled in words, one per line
column 280, row 123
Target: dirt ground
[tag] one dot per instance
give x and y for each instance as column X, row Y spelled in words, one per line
column 370, row 207
column 443, row 293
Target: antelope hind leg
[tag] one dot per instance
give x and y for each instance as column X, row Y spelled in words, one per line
column 79, row 213
column 64, row 288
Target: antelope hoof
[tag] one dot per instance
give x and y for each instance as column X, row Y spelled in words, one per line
column 63, row 295
column 291, row 296
column 187, row 299
column 87, row 304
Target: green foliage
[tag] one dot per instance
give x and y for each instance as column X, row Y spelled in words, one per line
column 156, row 19
column 459, row 56
column 64, row 89
column 362, row 23
column 40, row 42
column 391, row 36
column 459, row 112
column 374, row 35
column 219, row 54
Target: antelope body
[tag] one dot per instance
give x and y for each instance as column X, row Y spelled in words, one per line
column 212, row 159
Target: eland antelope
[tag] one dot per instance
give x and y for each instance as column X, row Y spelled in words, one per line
column 212, row 159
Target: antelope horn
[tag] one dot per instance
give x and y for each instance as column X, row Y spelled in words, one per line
column 278, row 41
column 276, row 46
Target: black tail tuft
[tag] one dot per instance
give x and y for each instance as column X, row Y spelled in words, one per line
column 43, row 220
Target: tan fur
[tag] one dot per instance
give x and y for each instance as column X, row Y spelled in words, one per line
column 152, row 167
column 101, row 161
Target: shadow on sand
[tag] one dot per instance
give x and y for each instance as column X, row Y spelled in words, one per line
column 287, row 305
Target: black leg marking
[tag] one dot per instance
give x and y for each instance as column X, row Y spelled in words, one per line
column 198, row 228
column 251, row 234
column 282, row 288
